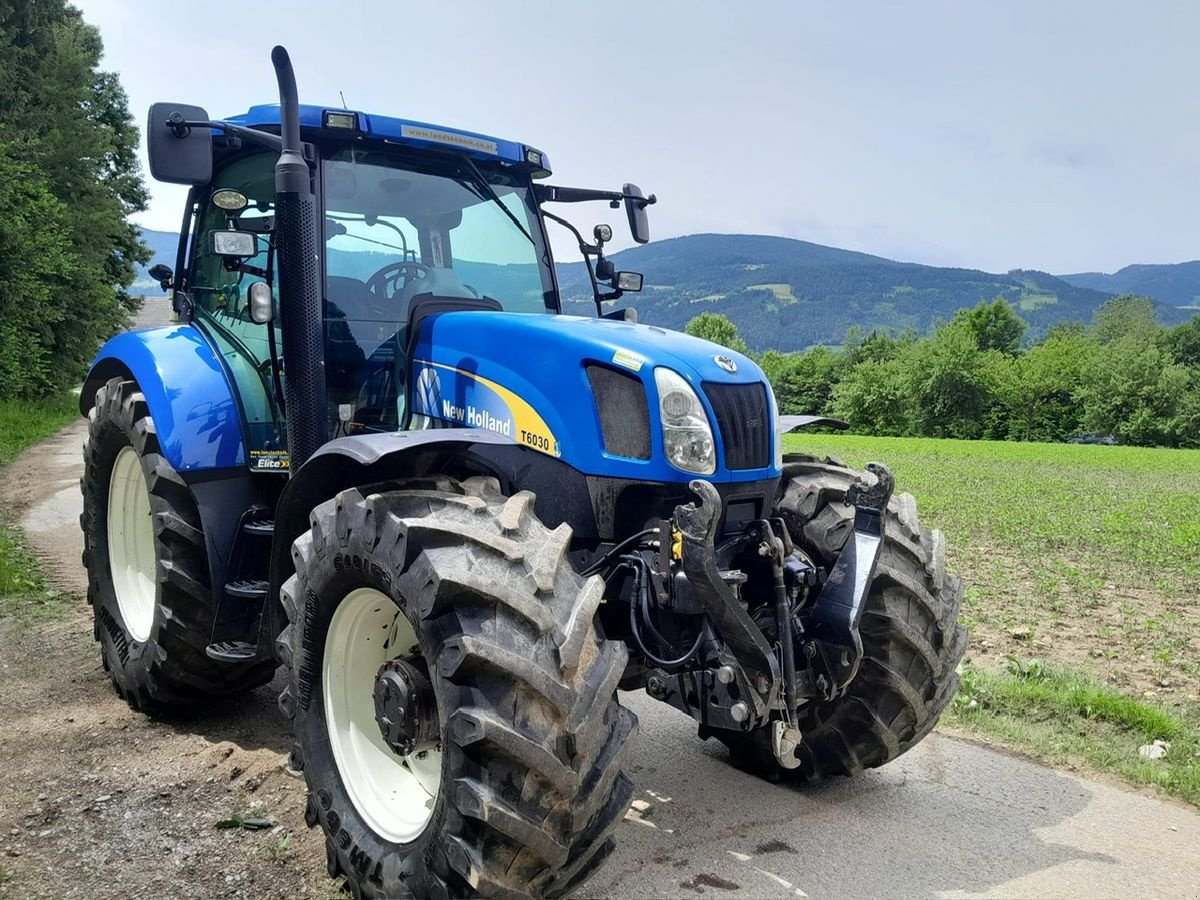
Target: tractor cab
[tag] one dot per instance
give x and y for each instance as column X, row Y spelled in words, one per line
column 414, row 219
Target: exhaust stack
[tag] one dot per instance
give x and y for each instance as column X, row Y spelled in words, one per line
column 300, row 289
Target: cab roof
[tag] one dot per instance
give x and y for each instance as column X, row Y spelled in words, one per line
column 402, row 131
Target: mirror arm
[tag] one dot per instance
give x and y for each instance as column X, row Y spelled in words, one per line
column 549, row 193
column 182, row 127
column 587, row 250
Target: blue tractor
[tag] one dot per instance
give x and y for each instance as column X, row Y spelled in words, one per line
column 373, row 450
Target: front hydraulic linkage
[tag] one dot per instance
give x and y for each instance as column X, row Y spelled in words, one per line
column 749, row 670
column 792, row 577
column 832, row 642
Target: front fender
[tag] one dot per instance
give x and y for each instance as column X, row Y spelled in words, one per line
column 364, row 460
column 186, row 388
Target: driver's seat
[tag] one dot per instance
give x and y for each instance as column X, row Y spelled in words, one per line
column 441, row 281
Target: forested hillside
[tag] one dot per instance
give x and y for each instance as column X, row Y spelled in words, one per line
column 1177, row 284
column 788, row 294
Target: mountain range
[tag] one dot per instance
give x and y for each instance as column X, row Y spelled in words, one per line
column 790, row 294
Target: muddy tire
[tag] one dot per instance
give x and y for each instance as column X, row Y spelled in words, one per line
column 147, row 565
column 912, row 641
column 529, row 784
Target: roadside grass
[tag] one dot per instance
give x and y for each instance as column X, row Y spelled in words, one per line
column 1085, row 557
column 25, row 422
column 24, row 592
column 1063, row 717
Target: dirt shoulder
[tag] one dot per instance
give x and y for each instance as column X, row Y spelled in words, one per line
column 98, row 801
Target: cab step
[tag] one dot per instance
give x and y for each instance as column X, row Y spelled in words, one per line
column 232, row 651
column 259, row 527
column 247, row 589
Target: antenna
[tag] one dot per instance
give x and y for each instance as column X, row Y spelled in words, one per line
column 343, row 96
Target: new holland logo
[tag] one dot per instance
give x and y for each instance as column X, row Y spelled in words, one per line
column 725, row 363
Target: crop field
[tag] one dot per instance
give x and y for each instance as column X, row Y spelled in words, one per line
column 1086, row 556
column 1082, row 566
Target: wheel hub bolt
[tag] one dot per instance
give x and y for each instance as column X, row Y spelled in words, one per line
column 405, row 708
column 739, row 712
column 655, row 686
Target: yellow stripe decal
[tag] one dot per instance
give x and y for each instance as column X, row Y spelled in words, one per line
column 511, row 415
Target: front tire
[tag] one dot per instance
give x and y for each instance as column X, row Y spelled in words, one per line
column 912, row 641
column 147, row 565
column 520, row 794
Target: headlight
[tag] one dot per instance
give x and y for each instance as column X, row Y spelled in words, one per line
column 687, row 436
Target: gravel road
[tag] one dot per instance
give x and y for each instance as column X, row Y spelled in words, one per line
column 98, row 802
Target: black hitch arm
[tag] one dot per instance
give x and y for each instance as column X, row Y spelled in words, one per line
column 697, row 523
column 832, row 641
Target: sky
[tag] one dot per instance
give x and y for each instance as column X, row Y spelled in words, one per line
column 1060, row 136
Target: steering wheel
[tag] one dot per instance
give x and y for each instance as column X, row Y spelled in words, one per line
column 383, row 305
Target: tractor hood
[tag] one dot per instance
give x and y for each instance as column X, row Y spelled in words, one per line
column 583, row 390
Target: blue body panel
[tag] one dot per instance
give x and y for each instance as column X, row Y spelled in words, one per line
column 188, row 392
column 541, row 360
column 402, row 131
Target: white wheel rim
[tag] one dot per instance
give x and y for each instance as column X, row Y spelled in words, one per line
column 394, row 795
column 131, row 554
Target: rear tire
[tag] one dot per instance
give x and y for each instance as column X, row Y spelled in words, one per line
column 532, row 738
column 912, row 642
column 147, row 564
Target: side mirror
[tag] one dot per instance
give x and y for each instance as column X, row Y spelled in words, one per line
column 179, row 153
column 635, row 208
column 628, row 281
column 235, row 244
column 164, row 275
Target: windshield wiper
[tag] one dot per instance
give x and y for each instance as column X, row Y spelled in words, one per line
column 359, row 237
column 487, row 192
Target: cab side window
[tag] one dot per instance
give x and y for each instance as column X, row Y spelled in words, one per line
column 214, row 288
column 220, row 297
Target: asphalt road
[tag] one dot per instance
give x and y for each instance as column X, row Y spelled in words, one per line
column 949, row 819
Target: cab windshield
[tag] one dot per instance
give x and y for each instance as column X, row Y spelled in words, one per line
column 390, row 226
column 397, row 229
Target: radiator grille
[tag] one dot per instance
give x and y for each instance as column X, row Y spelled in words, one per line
column 624, row 416
column 744, row 418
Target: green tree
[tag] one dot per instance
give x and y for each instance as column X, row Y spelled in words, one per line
column 1039, row 391
column 877, row 346
column 951, row 383
column 36, row 266
column 718, row 329
column 803, row 382
column 65, row 125
column 1134, row 391
column 875, row 396
column 1183, row 343
column 995, row 325
column 1125, row 317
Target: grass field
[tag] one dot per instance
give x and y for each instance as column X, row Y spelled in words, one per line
column 23, row 588
column 25, row 422
column 1084, row 560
